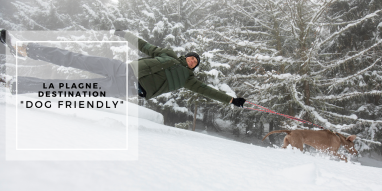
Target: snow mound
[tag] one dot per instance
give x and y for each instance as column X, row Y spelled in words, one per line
column 301, row 173
column 169, row 159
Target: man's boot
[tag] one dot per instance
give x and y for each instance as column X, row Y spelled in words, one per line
column 10, row 41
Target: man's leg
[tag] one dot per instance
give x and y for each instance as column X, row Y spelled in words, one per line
column 99, row 65
column 113, row 70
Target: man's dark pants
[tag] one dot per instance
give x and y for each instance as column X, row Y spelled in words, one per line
column 114, row 72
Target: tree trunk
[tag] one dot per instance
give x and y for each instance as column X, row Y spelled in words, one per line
column 307, row 93
column 165, row 117
column 376, row 99
column 306, row 98
column 288, row 99
column 195, row 112
column 248, row 128
column 271, row 137
column 260, row 130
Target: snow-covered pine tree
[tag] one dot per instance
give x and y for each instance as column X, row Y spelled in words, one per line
column 243, row 50
column 283, row 57
column 355, row 80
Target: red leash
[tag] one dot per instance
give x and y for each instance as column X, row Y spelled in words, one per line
column 266, row 110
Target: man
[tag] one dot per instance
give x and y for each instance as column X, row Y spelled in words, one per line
column 162, row 72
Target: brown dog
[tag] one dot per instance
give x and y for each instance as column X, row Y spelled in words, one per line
column 323, row 140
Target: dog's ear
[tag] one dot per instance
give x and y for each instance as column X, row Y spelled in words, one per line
column 351, row 138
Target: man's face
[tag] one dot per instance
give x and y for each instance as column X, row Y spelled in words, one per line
column 191, row 62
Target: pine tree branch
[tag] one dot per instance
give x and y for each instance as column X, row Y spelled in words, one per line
column 147, row 6
column 27, row 9
column 354, row 118
column 10, row 26
column 242, row 11
column 197, row 8
column 310, row 110
column 316, row 16
column 349, row 26
column 275, row 61
column 328, row 105
column 205, row 18
column 339, row 63
column 342, row 80
column 344, row 14
column 348, row 95
column 244, row 43
column 255, row 33
column 365, row 140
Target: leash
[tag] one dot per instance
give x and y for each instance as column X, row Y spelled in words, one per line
column 266, row 110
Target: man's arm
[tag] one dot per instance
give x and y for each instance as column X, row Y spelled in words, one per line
column 198, row 87
column 143, row 46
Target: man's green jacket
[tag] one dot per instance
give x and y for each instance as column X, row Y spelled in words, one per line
column 163, row 72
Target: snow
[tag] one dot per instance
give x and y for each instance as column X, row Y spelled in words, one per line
column 175, row 106
column 284, row 76
column 210, row 55
column 169, row 37
column 224, row 87
column 90, row 11
column 353, row 116
column 214, row 73
column 303, row 173
column 178, row 49
column 261, row 57
column 217, row 84
column 159, row 27
column 175, row 159
column 217, row 64
column 243, row 44
column 178, row 26
column 224, row 125
column 150, row 15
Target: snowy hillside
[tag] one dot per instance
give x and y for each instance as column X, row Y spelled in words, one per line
column 172, row 159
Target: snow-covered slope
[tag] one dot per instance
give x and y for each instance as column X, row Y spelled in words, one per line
column 175, row 159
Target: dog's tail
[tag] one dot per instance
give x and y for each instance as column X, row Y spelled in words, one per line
column 278, row 131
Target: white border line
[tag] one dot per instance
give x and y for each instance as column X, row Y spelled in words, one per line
column 126, row 116
column 17, row 124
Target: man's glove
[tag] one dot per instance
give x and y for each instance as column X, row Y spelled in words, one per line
column 238, row 102
column 120, row 33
